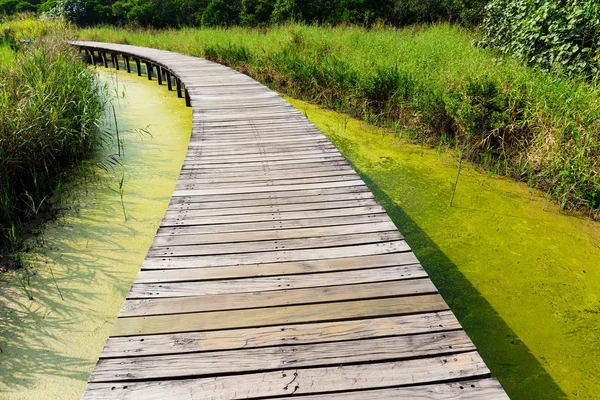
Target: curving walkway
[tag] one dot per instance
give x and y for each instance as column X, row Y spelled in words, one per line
column 275, row 272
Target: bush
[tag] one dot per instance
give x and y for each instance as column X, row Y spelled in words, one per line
column 563, row 35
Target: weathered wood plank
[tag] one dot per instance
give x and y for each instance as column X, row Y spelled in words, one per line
column 274, row 358
column 274, row 256
column 262, row 189
column 244, row 285
column 306, row 193
column 215, row 320
column 187, row 212
column 322, row 332
column 268, row 201
column 277, row 269
column 269, row 216
column 167, row 304
column 184, row 181
column 300, row 381
column 273, row 225
column 315, row 242
column 488, row 389
column 236, row 237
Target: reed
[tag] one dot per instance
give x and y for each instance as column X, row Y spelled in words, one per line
column 50, row 106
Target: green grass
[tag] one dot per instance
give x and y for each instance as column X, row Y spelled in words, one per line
column 514, row 120
column 50, row 105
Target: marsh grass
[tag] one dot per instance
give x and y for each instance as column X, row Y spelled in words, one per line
column 50, row 107
column 429, row 81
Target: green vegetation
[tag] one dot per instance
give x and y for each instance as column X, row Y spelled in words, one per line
column 531, row 125
column 562, row 35
column 50, row 104
column 179, row 13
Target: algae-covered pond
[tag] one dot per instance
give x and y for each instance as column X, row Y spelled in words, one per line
column 50, row 345
column 522, row 277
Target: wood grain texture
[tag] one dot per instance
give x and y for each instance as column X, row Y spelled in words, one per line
column 290, row 381
column 278, row 357
column 249, row 285
column 277, row 315
column 275, row 269
column 275, row 273
column 167, row 302
column 279, row 335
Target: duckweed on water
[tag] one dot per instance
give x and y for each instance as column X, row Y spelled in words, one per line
column 522, row 277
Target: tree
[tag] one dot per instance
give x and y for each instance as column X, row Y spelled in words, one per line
column 218, row 13
column 256, row 12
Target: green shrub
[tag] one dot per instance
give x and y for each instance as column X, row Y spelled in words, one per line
column 563, row 35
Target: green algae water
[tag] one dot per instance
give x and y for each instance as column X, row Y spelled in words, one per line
column 90, row 255
column 523, row 278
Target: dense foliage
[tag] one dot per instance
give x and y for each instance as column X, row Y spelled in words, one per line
column 553, row 34
column 178, row 13
column 49, row 107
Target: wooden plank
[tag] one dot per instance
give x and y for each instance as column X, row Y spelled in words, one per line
column 276, row 215
column 170, row 301
column 277, row 269
column 274, row 256
column 246, row 183
column 488, row 389
column 188, row 212
column 271, row 201
column 279, row 335
column 267, row 195
column 237, row 237
column 262, row 189
column 272, row 245
column 215, row 320
column 246, row 285
column 250, row 170
column 275, row 358
column 299, row 381
column 272, row 225
column 183, row 181
column 269, row 161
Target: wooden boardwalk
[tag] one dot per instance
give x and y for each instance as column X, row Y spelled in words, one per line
column 275, row 273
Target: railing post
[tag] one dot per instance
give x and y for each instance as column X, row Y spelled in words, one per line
column 138, row 66
column 178, row 84
column 127, row 66
column 88, row 55
column 159, row 74
column 188, row 101
column 168, row 77
column 115, row 60
column 149, row 70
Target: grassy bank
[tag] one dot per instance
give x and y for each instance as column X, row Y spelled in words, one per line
column 530, row 125
column 50, row 105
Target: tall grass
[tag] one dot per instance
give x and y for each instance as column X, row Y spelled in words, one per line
column 50, row 105
column 528, row 124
